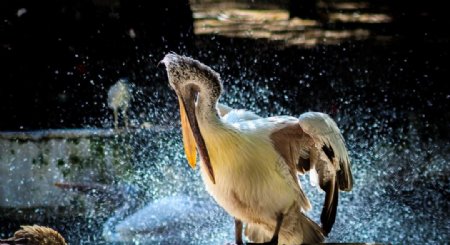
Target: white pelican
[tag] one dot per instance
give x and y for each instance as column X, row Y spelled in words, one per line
column 35, row 235
column 119, row 96
column 249, row 164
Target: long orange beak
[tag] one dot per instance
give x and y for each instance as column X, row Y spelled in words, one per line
column 188, row 138
column 192, row 137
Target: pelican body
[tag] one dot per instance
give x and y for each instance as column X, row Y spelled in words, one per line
column 249, row 164
column 119, row 96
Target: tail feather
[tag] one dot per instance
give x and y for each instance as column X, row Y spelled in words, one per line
column 312, row 233
column 329, row 209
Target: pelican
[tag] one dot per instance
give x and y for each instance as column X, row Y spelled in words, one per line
column 119, row 96
column 33, row 235
column 249, row 164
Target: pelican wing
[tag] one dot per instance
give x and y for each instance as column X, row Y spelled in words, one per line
column 289, row 141
column 314, row 143
column 329, row 140
column 328, row 161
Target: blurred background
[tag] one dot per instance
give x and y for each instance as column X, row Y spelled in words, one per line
column 379, row 68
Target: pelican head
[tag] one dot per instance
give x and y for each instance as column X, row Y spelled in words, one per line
column 198, row 88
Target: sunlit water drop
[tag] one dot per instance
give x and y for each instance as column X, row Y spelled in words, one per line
column 401, row 183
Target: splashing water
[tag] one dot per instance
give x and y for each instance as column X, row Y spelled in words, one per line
column 400, row 193
column 401, row 188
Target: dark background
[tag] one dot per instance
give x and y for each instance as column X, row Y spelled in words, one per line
column 59, row 57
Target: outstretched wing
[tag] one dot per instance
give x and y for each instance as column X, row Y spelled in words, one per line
column 328, row 161
column 314, row 143
column 328, row 139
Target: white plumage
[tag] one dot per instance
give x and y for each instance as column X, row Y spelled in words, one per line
column 119, row 96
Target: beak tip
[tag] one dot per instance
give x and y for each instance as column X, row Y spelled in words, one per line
column 192, row 164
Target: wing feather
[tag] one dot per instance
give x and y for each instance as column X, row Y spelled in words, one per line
column 314, row 143
column 289, row 141
column 329, row 160
column 325, row 132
